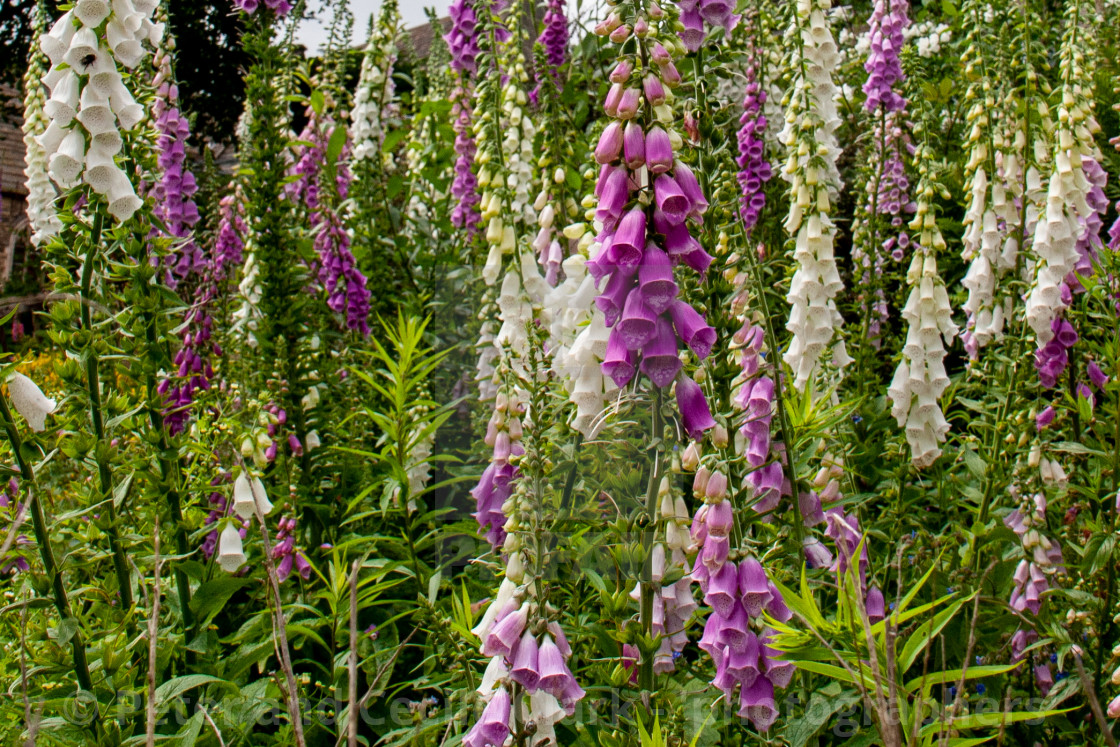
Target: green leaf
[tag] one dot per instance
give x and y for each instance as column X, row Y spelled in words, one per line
column 212, row 596
column 336, row 143
column 178, row 685
column 921, row 637
column 318, row 101
column 990, row 720
column 954, row 675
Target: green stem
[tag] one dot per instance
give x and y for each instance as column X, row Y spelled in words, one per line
column 645, row 668
column 46, row 552
column 93, row 383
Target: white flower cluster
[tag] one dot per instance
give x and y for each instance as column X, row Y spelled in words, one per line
column 920, row 379
column 245, row 317
column 1057, row 231
column 928, row 37
column 374, row 97
column 41, row 193
column 814, row 181
column 89, row 99
column 505, row 185
column 579, row 340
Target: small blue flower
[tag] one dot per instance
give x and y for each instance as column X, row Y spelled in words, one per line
column 952, row 691
column 891, row 605
column 1053, row 658
column 1061, row 675
column 913, row 533
column 857, row 418
column 677, row 655
column 979, row 660
column 981, row 689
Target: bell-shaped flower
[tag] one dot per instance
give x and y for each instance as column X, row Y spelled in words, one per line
column 619, row 361
column 696, row 417
column 62, row 106
column 659, row 150
column 128, row 111
column 655, row 279
column 525, row 670
column 629, row 241
column 757, row 704
column 126, row 47
column 670, row 199
column 260, row 497
column 91, row 12
column 244, row 504
column 492, row 728
column 638, row 323
column 723, row 590
column 84, row 50
column 660, row 361
column 95, row 114
column 55, row 42
column 875, row 604
column 610, row 143
column 754, row 586
column 123, row 202
column 30, row 401
column 634, row 146
column 66, row 163
column 692, row 328
column 503, row 637
column 231, row 556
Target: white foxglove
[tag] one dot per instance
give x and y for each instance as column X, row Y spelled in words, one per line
column 30, row 401
column 231, row 554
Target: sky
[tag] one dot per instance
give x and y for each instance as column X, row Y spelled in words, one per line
column 313, row 32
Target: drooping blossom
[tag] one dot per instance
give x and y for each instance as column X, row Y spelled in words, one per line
column 637, row 249
column 286, row 552
column 696, row 14
column 173, row 193
column 338, row 271
column 29, row 400
column 90, row 103
column 814, row 181
column 462, row 42
column 754, row 168
column 1067, row 213
column 1043, row 555
column 279, row 7
column 373, row 99
column 554, row 40
column 41, row 193
column 920, row 378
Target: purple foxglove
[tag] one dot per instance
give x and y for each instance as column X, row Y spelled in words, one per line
column 695, row 415
column 692, row 328
column 505, row 634
column 655, row 279
column 757, row 704
column 634, row 146
column 492, row 728
column 753, row 586
column 629, row 242
column 876, row 605
column 660, row 361
column 619, row 361
column 610, row 143
column 524, row 669
column 719, row 519
column 659, row 150
column 1096, row 375
column 670, row 199
column 638, row 324
column 723, row 590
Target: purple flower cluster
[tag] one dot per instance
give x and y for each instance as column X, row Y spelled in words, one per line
column 554, row 39
column 286, row 553
column 13, row 562
column 755, row 398
column 888, row 21
column 492, row 728
column 280, row 7
column 1089, row 242
column 695, row 13
column 755, row 170
column 192, row 361
column 639, row 246
column 503, row 435
column 463, row 44
column 338, row 271
column 176, row 187
column 844, row 530
column 536, row 662
column 1051, row 359
column 1030, row 578
column 219, row 508
column 738, row 595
